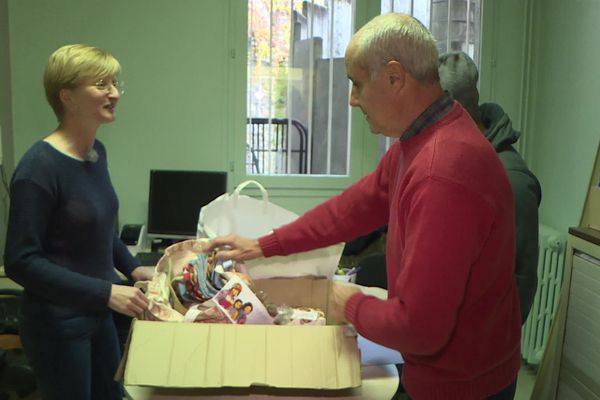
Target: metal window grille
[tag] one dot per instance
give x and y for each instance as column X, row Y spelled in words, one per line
column 296, row 73
column 279, row 141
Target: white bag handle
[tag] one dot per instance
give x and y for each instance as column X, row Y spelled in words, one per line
column 241, row 186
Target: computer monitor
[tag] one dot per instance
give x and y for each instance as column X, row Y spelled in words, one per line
column 175, row 200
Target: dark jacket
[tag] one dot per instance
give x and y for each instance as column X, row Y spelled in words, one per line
column 528, row 195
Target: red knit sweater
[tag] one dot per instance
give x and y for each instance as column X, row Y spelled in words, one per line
column 452, row 307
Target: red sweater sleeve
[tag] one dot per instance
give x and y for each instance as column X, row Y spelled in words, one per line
column 358, row 210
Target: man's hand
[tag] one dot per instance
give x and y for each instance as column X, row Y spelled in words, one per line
column 127, row 300
column 340, row 293
column 234, row 247
column 142, row 273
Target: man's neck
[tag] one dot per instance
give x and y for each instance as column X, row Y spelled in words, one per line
column 421, row 97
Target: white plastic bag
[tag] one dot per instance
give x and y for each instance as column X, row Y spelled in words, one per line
column 252, row 218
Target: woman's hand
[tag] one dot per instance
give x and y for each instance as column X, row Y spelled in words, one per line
column 127, row 300
column 142, row 273
column 234, row 247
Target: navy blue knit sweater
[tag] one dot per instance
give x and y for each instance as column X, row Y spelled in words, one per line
column 61, row 244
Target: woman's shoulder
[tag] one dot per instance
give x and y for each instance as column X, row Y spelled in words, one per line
column 36, row 163
column 38, row 148
column 38, row 155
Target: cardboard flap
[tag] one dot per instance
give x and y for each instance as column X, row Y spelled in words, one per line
column 296, row 292
column 180, row 355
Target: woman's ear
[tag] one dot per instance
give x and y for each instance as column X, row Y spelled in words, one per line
column 68, row 102
column 65, row 96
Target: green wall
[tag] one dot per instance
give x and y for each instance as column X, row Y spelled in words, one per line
column 185, row 80
column 564, row 105
column 173, row 54
column 184, row 106
column 6, row 153
column 503, row 59
column 540, row 61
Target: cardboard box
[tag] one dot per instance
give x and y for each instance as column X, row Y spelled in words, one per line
column 191, row 355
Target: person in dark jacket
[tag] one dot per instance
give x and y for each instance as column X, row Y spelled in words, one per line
column 458, row 76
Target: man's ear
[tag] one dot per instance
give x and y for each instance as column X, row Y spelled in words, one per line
column 396, row 74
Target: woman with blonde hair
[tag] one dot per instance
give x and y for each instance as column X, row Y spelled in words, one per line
column 61, row 242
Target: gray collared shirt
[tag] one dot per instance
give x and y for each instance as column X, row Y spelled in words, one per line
column 435, row 112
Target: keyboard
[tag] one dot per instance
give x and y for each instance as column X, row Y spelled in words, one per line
column 149, row 258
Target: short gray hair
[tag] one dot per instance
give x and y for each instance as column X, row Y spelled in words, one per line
column 398, row 37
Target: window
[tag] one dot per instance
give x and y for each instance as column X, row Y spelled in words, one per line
column 298, row 118
column 298, row 91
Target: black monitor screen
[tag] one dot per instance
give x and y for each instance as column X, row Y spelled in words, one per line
column 176, row 198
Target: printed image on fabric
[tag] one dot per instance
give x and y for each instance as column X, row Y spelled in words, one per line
column 199, row 276
column 226, row 298
column 194, row 285
column 187, row 277
column 241, row 305
column 206, row 313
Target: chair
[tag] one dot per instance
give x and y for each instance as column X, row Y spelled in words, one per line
column 268, row 137
column 16, row 375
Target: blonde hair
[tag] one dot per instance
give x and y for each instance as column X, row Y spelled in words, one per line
column 398, row 37
column 71, row 64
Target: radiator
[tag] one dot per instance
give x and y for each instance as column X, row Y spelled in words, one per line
column 551, row 261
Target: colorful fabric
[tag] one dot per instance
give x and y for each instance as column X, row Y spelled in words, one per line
column 183, row 288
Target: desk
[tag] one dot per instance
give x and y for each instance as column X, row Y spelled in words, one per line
column 379, row 382
column 6, row 282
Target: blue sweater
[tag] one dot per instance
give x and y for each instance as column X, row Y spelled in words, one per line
column 61, row 244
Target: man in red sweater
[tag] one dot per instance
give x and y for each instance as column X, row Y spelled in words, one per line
column 452, row 307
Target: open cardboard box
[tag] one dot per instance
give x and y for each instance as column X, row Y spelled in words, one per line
column 193, row 355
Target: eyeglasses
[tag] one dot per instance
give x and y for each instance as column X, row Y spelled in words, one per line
column 106, row 86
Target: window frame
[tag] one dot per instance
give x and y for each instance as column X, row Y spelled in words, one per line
column 362, row 147
column 364, row 154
